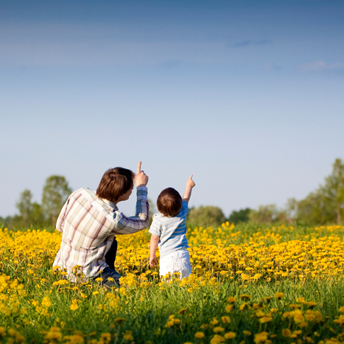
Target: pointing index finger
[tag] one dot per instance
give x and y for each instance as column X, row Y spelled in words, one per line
column 139, row 167
column 191, row 177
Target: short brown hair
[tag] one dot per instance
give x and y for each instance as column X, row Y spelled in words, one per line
column 169, row 202
column 115, row 183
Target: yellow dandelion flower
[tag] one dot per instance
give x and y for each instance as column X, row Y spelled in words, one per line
column 245, row 297
column 264, row 320
column 298, row 318
column 311, row 304
column 243, row 306
column 228, row 308
column 278, row 296
column 218, row 329
column 128, row 335
column 226, row 319
column 214, row 322
column 230, row 335
column 199, row 335
column 74, row 306
column 261, row 337
column 105, row 337
column 217, row 339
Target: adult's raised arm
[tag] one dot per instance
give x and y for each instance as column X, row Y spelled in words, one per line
column 133, row 224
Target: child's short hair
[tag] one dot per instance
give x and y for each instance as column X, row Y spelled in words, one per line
column 115, row 183
column 169, row 202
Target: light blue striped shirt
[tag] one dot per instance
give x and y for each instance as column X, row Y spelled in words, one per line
column 171, row 230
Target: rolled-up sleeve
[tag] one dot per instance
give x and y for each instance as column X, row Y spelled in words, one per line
column 133, row 224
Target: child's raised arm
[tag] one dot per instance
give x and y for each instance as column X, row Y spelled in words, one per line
column 189, row 185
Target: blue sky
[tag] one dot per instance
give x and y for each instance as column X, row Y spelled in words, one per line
column 245, row 95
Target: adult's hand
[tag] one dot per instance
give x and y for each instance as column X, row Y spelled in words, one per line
column 141, row 179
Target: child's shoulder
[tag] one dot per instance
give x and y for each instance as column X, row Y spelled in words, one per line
column 158, row 217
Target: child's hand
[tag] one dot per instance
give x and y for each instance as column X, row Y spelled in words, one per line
column 153, row 262
column 190, row 182
column 189, row 185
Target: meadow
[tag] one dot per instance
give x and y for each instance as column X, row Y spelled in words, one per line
column 269, row 284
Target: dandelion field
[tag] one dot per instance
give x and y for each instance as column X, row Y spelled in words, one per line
column 249, row 285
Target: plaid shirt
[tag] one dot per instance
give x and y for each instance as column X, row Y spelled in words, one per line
column 89, row 224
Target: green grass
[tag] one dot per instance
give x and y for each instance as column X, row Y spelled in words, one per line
column 146, row 309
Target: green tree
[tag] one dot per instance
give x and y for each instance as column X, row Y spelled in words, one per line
column 25, row 206
column 326, row 204
column 5, row 221
column 205, row 216
column 291, row 209
column 241, row 215
column 37, row 213
column 55, row 194
column 313, row 210
column 333, row 191
column 30, row 213
column 265, row 214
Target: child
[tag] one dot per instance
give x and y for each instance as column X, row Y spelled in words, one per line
column 168, row 229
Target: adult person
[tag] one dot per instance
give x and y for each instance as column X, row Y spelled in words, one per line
column 89, row 222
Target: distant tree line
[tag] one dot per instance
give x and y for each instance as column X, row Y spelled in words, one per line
column 32, row 214
column 206, row 216
column 323, row 206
